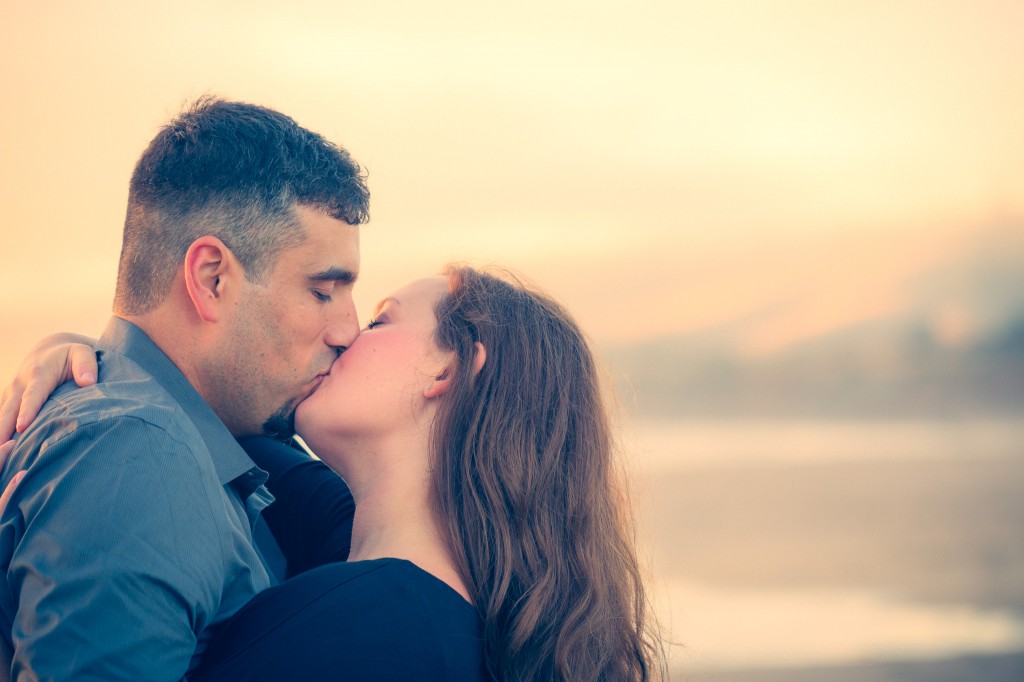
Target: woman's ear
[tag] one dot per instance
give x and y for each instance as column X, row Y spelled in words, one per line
column 479, row 357
column 443, row 380
column 439, row 385
column 206, row 262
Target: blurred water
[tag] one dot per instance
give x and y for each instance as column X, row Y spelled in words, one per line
column 828, row 543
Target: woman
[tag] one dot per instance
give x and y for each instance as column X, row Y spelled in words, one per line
column 489, row 539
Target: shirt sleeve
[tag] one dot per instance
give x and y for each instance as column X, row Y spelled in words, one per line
column 311, row 516
column 117, row 567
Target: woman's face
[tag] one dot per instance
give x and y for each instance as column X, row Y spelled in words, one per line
column 377, row 387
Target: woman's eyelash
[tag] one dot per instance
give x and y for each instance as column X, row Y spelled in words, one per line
column 373, row 323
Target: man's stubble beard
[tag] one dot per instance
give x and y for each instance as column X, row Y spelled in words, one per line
column 281, row 425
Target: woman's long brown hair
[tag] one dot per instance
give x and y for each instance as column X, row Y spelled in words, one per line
column 526, row 491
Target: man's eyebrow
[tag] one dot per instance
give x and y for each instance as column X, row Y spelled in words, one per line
column 334, row 274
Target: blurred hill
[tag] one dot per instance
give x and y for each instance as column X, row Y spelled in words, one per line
column 955, row 348
column 879, row 370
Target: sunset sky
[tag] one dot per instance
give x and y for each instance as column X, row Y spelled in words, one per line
column 662, row 167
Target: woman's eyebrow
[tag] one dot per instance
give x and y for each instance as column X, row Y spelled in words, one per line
column 383, row 302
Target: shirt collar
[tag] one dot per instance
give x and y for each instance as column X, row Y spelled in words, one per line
column 229, row 458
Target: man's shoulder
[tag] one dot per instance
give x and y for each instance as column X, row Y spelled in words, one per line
column 125, row 390
column 126, row 401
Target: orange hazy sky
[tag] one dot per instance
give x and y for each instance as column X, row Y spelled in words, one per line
column 662, row 167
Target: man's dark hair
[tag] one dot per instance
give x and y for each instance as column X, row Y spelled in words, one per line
column 234, row 171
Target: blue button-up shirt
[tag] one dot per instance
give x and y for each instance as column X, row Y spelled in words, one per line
column 132, row 532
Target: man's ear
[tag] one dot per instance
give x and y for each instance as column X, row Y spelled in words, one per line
column 443, row 380
column 206, row 262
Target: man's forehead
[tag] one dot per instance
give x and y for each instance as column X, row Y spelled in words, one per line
column 330, row 249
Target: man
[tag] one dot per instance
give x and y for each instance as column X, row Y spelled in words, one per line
column 132, row 531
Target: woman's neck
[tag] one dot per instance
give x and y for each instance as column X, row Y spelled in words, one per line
column 394, row 519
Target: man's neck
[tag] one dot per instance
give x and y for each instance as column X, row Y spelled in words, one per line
column 173, row 337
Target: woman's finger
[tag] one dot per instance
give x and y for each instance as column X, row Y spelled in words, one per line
column 83, row 363
column 9, row 490
column 5, row 451
column 9, row 405
column 31, row 402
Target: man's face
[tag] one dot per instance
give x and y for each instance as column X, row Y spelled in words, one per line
column 284, row 335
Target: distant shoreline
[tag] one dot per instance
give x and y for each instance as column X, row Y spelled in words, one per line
column 665, row 444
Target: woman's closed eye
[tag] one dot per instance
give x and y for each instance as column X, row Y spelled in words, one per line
column 374, row 323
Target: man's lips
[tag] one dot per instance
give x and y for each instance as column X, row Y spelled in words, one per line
column 318, row 379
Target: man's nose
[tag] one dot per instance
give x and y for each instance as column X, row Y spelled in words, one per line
column 342, row 329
